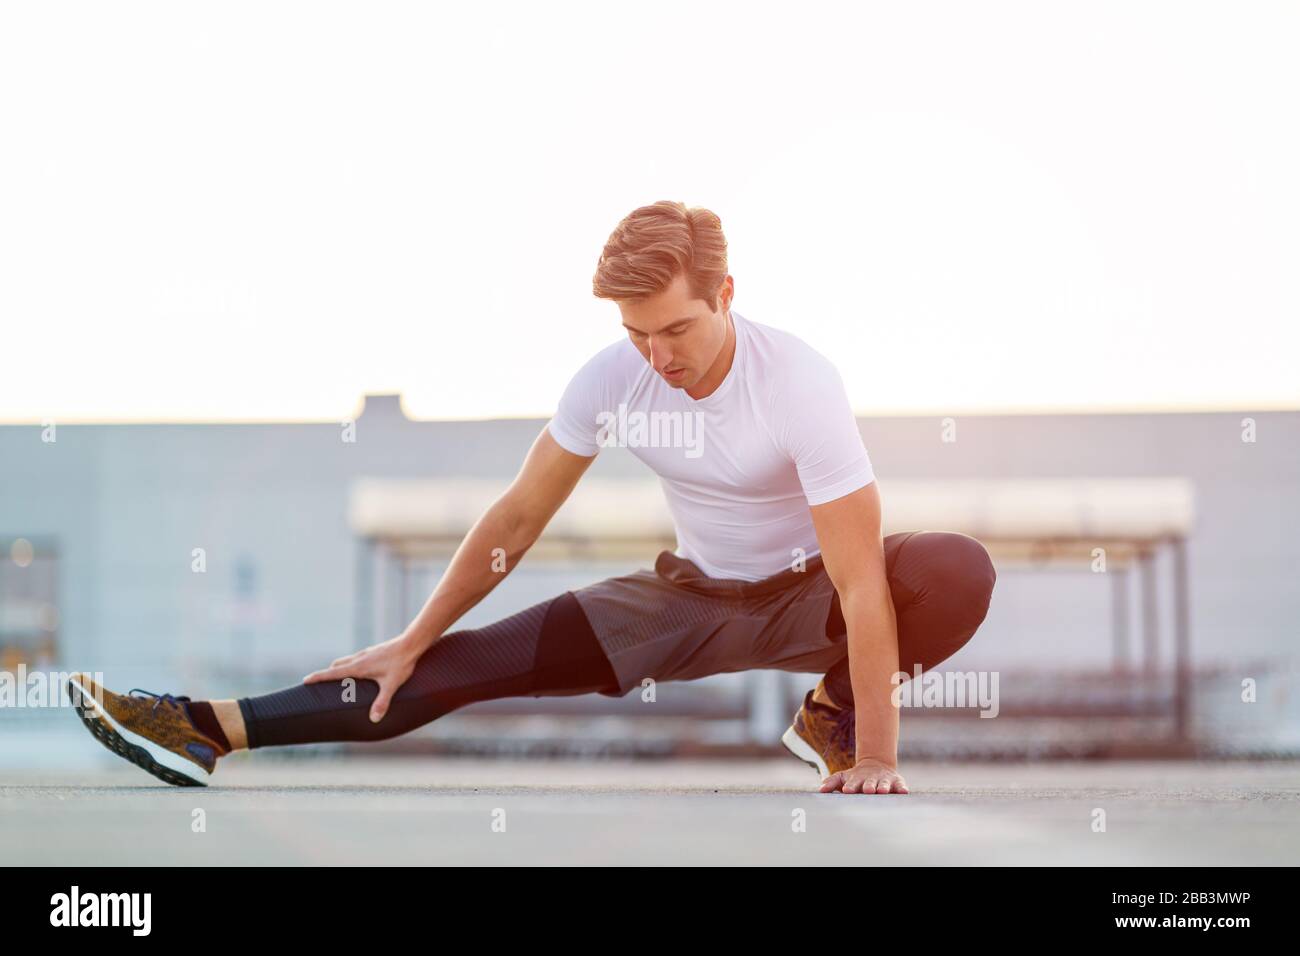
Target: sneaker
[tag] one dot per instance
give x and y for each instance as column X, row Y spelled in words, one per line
column 154, row 731
column 822, row 736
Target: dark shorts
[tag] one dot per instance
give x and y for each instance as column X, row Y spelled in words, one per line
column 676, row 623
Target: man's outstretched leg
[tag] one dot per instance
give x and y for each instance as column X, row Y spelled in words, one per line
column 941, row 583
column 548, row 649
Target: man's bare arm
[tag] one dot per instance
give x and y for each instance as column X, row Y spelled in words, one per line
column 512, row 523
column 849, row 534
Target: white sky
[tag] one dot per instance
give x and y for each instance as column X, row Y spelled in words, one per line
column 266, row 210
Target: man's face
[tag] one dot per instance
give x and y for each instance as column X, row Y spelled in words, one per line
column 679, row 336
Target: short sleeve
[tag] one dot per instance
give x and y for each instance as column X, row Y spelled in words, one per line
column 575, row 423
column 818, row 430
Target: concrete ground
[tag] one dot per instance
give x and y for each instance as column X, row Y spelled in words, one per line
column 328, row 810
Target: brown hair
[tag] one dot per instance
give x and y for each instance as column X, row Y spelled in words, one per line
column 655, row 244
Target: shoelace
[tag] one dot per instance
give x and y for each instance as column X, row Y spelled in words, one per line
column 842, row 731
column 159, row 698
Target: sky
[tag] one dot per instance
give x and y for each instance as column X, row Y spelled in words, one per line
column 264, row 211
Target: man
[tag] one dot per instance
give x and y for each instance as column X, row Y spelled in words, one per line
column 780, row 560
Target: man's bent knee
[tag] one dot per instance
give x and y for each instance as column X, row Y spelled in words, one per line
column 963, row 575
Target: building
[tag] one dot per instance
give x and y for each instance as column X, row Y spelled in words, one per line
column 224, row 559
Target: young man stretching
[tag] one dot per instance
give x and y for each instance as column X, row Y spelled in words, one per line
column 780, row 561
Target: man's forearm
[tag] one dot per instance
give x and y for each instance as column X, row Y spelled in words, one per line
column 873, row 663
column 475, row 569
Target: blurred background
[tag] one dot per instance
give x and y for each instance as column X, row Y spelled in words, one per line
column 287, row 291
column 226, row 560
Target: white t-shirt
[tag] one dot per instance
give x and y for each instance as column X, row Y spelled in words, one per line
column 739, row 467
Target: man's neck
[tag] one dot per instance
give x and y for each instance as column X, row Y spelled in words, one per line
column 707, row 385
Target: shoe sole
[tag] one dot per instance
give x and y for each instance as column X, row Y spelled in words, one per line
column 141, row 751
column 801, row 749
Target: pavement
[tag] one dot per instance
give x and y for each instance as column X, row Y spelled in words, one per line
column 363, row 810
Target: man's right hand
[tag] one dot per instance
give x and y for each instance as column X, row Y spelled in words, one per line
column 514, row 521
column 389, row 664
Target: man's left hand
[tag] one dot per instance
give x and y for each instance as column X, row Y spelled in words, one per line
column 867, row 776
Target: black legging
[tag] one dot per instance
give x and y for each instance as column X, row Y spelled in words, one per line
column 941, row 584
column 547, row 650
